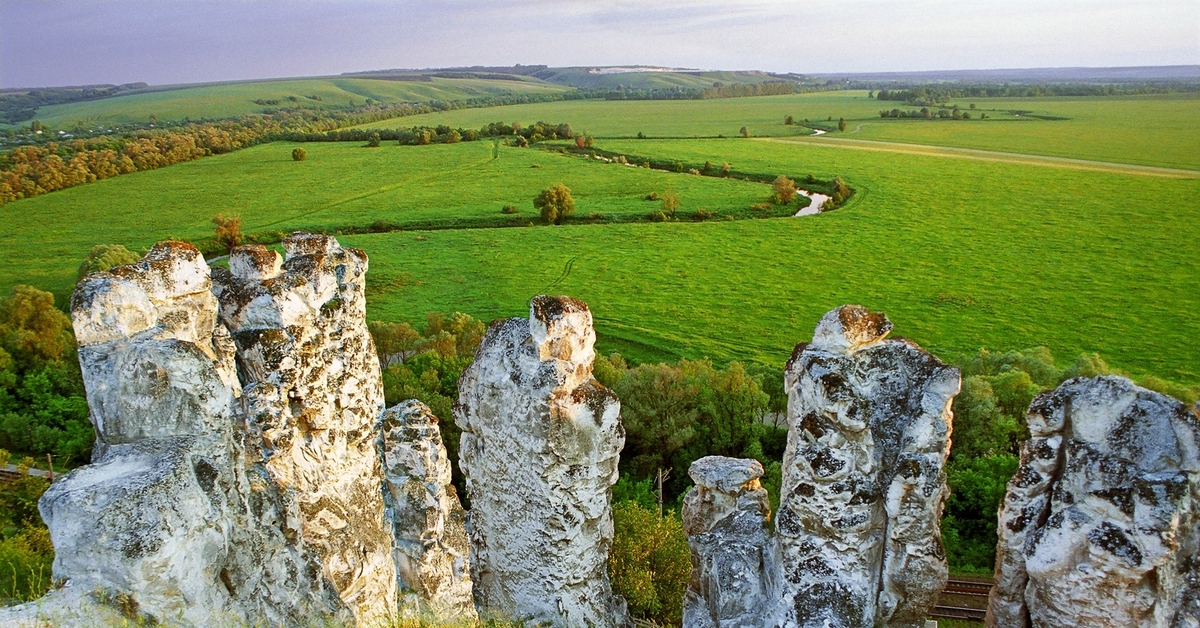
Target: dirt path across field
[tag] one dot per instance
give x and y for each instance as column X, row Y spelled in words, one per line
column 988, row 155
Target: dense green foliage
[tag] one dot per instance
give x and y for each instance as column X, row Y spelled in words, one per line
column 25, row 550
column 104, row 257
column 42, row 404
column 649, row 563
column 555, row 204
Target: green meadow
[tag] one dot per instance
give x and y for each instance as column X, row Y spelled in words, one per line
column 339, row 185
column 1150, row 130
column 960, row 255
column 961, row 252
column 227, row 100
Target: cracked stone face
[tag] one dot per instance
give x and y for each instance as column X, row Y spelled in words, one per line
column 170, row 518
column 313, row 392
column 539, row 450
column 726, row 518
column 1099, row 526
column 431, row 550
column 863, row 477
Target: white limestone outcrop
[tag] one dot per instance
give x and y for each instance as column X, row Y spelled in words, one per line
column 733, row 559
column 539, row 449
column 169, row 521
column 313, row 391
column 1101, row 524
column 431, row 549
column 863, row 477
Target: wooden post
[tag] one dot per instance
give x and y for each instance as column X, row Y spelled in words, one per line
column 49, row 468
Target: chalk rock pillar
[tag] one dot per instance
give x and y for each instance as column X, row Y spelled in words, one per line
column 863, row 476
column 164, row 522
column 431, row 547
column 313, row 392
column 733, row 567
column 539, row 450
column 1101, row 524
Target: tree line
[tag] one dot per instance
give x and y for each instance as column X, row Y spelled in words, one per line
column 29, row 171
column 19, row 106
column 944, row 93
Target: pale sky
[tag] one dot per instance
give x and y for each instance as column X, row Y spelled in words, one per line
column 74, row 42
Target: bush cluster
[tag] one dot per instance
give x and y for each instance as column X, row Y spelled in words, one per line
column 43, row 409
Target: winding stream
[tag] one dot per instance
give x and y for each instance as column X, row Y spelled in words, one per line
column 818, row 200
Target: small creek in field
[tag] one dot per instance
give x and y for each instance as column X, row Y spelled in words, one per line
column 818, row 200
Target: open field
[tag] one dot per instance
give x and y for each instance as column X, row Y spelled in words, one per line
column 961, row 252
column 228, row 100
column 339, row 185
column 1151, row 130
column 961, row 256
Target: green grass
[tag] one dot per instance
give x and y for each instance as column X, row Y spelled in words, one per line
column 228, row 100
column 1150, row 130
column 582, row 77
column 960, row 256
column 338, row 185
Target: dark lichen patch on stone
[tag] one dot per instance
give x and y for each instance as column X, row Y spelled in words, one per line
column 1117, row 542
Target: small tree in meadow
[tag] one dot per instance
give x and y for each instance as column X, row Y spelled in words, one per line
column 670, row 203
column 299, row 154
column 841, row 124
column 373, row 140
column 785, row 189
column 745, row 132
column 228, row 231
column 555, row 204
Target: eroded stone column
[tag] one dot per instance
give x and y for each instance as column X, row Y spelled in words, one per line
column 733, row 556
column 863, row 477
column 432, row 552
column 539, row 449
column 313, row 393
column 165, row 524
column 1100, row 525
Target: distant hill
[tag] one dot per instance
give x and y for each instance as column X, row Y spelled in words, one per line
column 1031, row 75
column 228, row 100
column 597, row 77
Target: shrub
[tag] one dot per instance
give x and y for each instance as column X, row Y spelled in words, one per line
column 555, row 204
column 653, row 196
column 299, row 154
column 649, row 562
column 228, row 231
column 373, row 140
column 745, row 132
column 105, row 257
column 785, row 189
column 509, row 209
column 693, row 171
column 670, row 203
column 25, row 565
column 725, row 167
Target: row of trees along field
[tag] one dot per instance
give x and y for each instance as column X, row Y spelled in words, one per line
column 673, row 414
column 29, row 171
column 933, row 94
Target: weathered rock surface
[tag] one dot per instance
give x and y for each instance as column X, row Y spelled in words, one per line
column 313, row 391
column 539, row 449
column 431, row 550
column 733, row 560
column 1101, row 524
column 863, row 478
column 168, row 522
